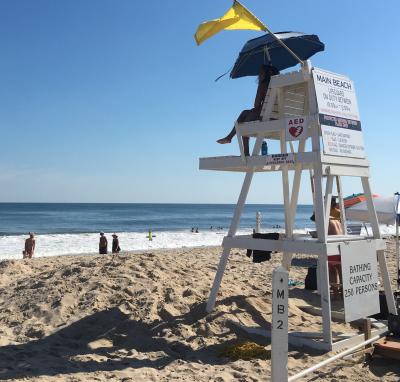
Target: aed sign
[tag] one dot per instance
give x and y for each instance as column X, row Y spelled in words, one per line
column 338, row 115
column 296, row 128
column 360, row 280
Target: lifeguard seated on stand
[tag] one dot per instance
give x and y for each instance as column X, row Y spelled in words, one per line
column 254, row 114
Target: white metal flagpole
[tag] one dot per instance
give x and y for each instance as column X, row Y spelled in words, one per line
column 398, row 246
column 285, row 46
column 398, row 261
column 275, row 36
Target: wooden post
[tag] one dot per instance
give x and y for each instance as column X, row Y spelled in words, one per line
column 367, row 330
column 367, row 336
column 279, row 336
column 258, row 222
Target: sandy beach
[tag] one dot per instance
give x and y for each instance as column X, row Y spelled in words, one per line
column 141, row 317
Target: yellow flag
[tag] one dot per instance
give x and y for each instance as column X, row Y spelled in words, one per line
column 237, row 17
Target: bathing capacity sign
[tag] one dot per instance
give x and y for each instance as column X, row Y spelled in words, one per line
column 338, row 114
column 360, row 280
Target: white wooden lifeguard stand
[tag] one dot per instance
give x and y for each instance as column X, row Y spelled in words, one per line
column 294, row 95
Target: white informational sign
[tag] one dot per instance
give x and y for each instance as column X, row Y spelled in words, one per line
column 279, row 336
column 296, row 128
column 279, row 159
column 360, row 280
column 338, row 114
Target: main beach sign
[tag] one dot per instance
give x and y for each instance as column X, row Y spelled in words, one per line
column 338, row 115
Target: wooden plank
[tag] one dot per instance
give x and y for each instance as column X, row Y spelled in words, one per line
column 297, row 103
column 316, row 311
column 331, row 159
column 294, row 338
column 235, row 163
column 269, row 103
column 332, row 248
column 355, row 340
column 266, row 127
column 290, row 78
column 343, row 170
column 291, row 246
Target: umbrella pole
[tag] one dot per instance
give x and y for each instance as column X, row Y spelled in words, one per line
column 398, row 248
column 398, row 261
column 285, row 46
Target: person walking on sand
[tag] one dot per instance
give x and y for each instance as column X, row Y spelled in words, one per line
column 115, row 244
column 29, row 246
column 103, row 244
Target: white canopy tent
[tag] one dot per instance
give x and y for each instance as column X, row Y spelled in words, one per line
column 387, row 209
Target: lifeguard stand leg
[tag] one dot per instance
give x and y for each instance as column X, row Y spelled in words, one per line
column 328, row 199
column 341, row 204
column 381, row 254
column 286, row 257
column 232, row 231
column 240, row 142
column 322, row 230
column 321, row 224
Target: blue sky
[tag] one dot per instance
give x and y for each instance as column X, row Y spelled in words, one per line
column 112, row 101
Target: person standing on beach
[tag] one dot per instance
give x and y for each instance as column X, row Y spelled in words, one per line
column 115, row 244
column 29, row 246
column 103, row 243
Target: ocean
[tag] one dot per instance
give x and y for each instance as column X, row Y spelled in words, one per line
column 73, row 228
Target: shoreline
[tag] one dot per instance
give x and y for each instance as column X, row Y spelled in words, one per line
column 77, row 244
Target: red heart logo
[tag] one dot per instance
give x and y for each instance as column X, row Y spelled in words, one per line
column 295, row 131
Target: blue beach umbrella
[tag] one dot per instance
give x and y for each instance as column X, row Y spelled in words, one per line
column 266, row 50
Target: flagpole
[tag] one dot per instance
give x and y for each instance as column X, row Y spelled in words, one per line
column 285, row 46
column 275, row 36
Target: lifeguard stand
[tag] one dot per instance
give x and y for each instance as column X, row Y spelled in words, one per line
column 292, row 97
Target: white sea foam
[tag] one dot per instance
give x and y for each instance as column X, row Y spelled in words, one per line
column 62, row 244
column 72, row 244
